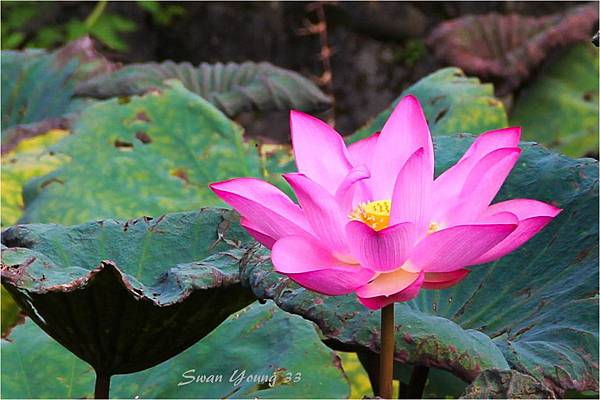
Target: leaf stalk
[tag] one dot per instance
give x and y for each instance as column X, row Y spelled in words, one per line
column 102, row 387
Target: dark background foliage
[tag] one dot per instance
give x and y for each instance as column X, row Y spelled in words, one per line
column 377, row 48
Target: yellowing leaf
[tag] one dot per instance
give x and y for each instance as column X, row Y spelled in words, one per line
column 29, row 159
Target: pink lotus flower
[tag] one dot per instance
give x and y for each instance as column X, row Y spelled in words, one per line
column 371, row 218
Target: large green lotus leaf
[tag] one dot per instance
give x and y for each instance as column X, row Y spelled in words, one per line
column 233, row 88
column 38, row 87
column 140, row 156
column 127, row 295
column 261, row 340
column 452, row 103
column 535, row 310
column 560, row 107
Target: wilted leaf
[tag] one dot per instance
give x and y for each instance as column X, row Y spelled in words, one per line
column 233, row 88
column 140, row 156
column 560, row 108
column 125, row 296
column 535, row 310
column 509, row 47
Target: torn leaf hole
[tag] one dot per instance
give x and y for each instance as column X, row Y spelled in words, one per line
column 122, row 145
column 181, row 174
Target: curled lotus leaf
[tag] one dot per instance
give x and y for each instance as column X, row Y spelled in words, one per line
column 534, row 311
column 233, row 88
column 127, row 295
column 509, row 47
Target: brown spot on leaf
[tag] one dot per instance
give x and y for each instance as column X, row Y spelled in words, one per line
column 440, row 115
column 21, row 317
column 51, row 180
column 524, row 292
column 143, row 137
column 181, row 174
column 582, row 255
column 123, row 99
column 436, row 99
column 122, row 145
column 521, row 331
column 402, row 356
column 142, row 116
column 588, row 96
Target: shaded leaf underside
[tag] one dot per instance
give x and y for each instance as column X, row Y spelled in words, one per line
column 35, row 366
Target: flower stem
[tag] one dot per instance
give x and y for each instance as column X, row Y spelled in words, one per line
column 386, row 355
column 102, row 386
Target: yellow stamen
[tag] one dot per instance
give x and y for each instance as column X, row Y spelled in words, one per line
column 433, row 227
column 376, row 214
